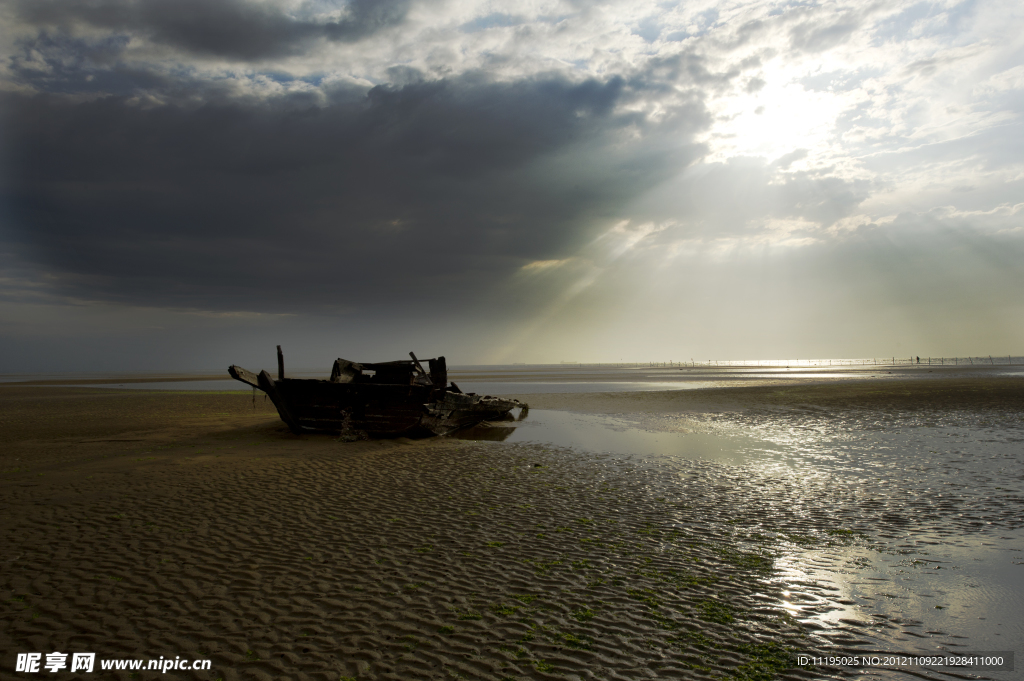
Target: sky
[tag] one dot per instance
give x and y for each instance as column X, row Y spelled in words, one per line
column 185, row 184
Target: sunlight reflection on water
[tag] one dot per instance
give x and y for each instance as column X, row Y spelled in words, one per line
column 607, row 434
column 919, row 596
column 932, row 503
column 536, row 387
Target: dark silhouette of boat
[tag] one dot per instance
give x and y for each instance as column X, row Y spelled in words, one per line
column 378, row 400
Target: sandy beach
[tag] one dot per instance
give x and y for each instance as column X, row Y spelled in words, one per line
column 194, row 525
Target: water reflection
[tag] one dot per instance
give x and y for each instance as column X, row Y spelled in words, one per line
column 888, row 534
column 588, row 386
column 487, row 431
column 925, row 597
column 623, row 438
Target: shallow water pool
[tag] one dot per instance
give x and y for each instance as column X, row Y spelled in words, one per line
column 935, row 503
column 623, row 438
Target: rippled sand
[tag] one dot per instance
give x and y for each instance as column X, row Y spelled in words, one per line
column 194, row 524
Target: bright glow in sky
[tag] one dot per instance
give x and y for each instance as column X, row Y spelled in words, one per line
column 530, row 181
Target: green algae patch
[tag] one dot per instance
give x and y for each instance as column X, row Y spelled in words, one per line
column 715, row 611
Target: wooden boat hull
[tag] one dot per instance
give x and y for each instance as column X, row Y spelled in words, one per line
column 374, row 410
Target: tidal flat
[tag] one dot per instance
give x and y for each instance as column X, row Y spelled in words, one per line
column 720, row 534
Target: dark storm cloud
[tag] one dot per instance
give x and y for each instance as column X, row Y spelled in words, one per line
column 56, row 62
column 426, row 192
column 224, row 28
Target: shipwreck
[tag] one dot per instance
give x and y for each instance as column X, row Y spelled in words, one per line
column 382, row 399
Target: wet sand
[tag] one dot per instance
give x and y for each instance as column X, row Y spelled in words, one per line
column 194, row 524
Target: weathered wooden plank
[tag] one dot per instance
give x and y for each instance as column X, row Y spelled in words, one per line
column 266, row 384
column 419, row 366
column 244, row 375
column 438, row 372
column 345, row 371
